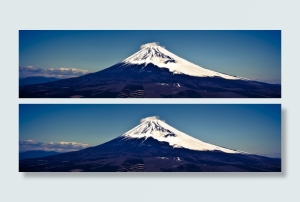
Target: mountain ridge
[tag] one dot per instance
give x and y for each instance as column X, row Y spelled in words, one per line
column 35, row 154
column 36, row 80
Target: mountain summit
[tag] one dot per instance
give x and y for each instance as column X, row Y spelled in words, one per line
column 153, row 72
column 160, row 57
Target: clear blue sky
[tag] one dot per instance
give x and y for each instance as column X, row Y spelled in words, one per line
column 252, row 128
column 251, row 54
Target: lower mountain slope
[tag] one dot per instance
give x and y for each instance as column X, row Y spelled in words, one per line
column 148, row 81
column 150, row 155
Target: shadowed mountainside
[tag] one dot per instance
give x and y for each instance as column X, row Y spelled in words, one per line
column 150, row 155
column 140, row 81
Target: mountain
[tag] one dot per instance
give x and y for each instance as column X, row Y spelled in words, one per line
column 162, row 132
column 35, row 154
column 153, row 72
column 154, row 54
column 153, row 146
column 35, row 80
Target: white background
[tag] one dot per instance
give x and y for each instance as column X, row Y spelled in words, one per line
column 154, row 14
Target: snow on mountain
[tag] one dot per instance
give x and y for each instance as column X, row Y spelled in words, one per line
column 159, row 56
column 159, row 130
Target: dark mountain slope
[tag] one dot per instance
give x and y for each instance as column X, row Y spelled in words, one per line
column 148, row 155
column 140, row 81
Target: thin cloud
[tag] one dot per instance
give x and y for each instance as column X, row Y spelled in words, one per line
column 151, row 118
column 29, row 145
column 150, row 44
column 62, row 73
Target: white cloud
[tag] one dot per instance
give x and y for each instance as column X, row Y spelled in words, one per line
column 150, row 118
column 30, row 71
column 150, row 44
column 28, row 145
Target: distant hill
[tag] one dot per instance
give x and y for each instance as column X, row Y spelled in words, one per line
column 36, row 154
column 36, row 80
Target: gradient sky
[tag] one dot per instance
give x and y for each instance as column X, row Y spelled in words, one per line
column 251, row 54
column 252, row 128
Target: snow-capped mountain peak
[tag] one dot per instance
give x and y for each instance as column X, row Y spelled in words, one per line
column 150, row 53
column 159, row 56
column 161, row 131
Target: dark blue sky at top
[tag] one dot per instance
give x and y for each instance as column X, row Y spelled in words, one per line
column 252, row 128
column 251, row 54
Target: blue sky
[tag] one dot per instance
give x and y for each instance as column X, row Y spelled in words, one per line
column 247, row 53
column 252, row 128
